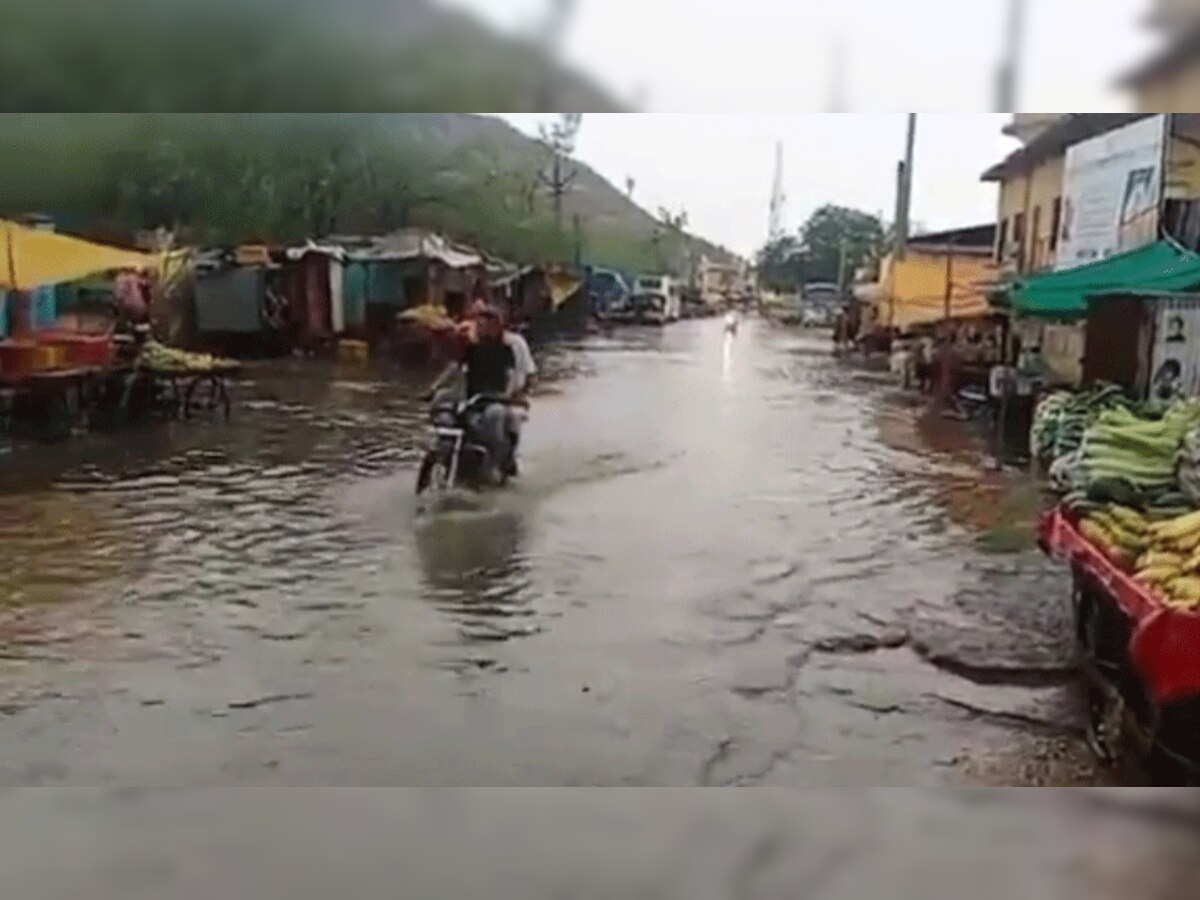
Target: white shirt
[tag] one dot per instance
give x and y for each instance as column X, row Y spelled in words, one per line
column 526, row 368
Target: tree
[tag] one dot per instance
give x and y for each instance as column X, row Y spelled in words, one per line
column 781, row 264
column 669, row 237
column 558, row 139
column 832, row 228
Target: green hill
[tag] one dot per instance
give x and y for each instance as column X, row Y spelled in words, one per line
column 228, row 177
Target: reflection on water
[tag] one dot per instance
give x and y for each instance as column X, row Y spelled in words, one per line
column 475, row 572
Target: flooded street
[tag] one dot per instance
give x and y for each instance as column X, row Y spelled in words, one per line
column 714, row 571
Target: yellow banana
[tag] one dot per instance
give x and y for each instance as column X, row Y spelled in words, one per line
column 1179, row 527
column 1128, row 518
column 1187, row 543
column 1154, row 558
column 1158, row 575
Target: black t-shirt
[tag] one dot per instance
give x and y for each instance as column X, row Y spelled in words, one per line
column 488, row 366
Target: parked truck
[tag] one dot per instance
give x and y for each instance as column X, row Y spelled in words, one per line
column 668, row 294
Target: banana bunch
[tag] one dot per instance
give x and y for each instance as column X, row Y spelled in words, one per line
column 1122, row 534
column 429, row 316
column 1061, row 418
column 162, row 358
column 1171, row 561
column 1143, row 452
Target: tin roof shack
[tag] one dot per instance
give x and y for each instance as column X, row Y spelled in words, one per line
column 310, row 281
column 235, row 311
column 407, row 268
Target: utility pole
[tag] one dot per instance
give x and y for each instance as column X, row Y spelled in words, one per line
column 1008, row 75
column 949, row 284
column 778, row 198
column 559, row 141
column 842, row 260
column 904, row 188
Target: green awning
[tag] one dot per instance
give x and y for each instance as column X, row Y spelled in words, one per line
column 1160, row 267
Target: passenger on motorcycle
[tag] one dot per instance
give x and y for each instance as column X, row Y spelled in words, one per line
column 489, row 364
column 523, row 375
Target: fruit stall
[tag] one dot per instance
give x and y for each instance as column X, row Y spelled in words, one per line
column 60, row 373
column 426, row 335
column 1127, row 522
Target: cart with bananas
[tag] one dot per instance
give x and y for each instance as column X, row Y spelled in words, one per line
column 1136, row 604
column 188, row 384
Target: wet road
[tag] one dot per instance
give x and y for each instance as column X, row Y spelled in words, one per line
column 713, row 572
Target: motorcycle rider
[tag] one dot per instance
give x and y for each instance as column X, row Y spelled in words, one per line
column 489, row 364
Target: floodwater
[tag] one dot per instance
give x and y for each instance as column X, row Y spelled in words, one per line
column 713, row 572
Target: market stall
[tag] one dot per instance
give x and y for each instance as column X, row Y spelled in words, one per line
column 78, row 371
column 1127, row 521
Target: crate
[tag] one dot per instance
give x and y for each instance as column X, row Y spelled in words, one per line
column 81, row 350
column 48, row 357
column 17, row 358
column 353, row 351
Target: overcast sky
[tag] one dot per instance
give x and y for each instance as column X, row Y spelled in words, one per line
column 686, row 57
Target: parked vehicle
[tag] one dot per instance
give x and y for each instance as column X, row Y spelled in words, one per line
column 664, row 286
column 652, row 309
column 457, row 456
column 817, row 316
column 608, row 290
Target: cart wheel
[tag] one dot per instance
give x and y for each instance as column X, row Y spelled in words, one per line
column 208, row 395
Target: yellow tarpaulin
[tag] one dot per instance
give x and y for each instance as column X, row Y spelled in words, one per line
column 562, row 286
column 913, row 291
column 30, row 258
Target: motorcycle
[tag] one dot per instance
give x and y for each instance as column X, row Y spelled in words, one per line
column 458, row 456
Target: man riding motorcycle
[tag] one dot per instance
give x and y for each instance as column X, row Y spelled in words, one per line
column 490, row 366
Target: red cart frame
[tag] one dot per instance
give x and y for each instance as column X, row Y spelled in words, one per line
column 1164, row 646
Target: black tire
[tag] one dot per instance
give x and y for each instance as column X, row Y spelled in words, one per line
column 434, row 473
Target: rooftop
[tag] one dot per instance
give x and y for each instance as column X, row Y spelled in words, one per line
column 1052, row 142
column 981, row 236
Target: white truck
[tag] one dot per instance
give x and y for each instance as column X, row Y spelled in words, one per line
column 668, row 294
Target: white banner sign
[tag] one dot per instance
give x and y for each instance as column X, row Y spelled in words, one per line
column 1112, row 190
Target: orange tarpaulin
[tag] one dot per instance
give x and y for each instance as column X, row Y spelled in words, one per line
column 30, row 258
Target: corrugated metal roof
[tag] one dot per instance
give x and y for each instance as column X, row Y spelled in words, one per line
column 411, row 243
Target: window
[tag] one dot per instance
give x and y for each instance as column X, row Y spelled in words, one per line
column 1055, row 223
column 1019, row 240
column 1001, row 240
column 1035, row 237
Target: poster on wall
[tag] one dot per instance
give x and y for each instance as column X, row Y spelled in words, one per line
column 1112, row 192
column 1175, row 360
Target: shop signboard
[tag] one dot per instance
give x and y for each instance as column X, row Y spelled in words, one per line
column 1112, row 193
